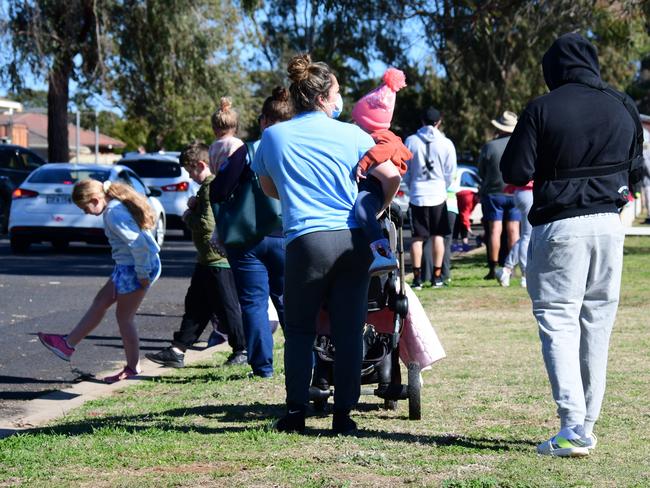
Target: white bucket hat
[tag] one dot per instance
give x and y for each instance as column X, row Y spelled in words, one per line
column 506, row 122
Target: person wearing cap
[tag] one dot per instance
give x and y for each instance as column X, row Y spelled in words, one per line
column 582, row 141
column 430, row 173
column 498, row 206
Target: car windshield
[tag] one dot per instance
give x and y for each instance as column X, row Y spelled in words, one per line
column 153, row 168
column 67, row 176
column 469, row 179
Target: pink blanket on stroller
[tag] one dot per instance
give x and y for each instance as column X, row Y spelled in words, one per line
column 419, row 342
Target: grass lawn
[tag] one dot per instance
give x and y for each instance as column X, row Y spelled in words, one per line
column 485, row 408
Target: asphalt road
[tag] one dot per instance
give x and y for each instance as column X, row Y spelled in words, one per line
column 46, row 290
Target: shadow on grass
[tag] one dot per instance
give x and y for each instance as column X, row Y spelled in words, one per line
column 255, row 413
column 218, row 373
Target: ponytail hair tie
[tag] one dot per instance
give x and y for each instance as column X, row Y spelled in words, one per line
column 106, row 185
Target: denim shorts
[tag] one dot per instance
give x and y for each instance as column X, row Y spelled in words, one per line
column 500, row 206
column 126, row 279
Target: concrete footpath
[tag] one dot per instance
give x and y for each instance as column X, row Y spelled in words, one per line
column 51, row 406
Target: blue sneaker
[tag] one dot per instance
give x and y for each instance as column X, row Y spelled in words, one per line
column 384, row 261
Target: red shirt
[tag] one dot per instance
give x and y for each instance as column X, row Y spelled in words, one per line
column 513, row 188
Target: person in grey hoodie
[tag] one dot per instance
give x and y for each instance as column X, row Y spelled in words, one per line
column 430, row 173
column 581, row 142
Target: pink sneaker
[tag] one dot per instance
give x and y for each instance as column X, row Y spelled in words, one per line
column 125, row 374
column 57, row 344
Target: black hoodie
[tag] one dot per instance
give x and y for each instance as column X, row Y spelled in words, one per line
column 576, row 125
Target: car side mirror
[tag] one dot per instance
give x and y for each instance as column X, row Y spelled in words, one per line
column 154, row 192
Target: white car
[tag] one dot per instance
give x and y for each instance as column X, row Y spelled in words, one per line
column 42, row 208
column 163, row 171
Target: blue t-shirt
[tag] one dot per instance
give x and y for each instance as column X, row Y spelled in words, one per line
column 311, row 159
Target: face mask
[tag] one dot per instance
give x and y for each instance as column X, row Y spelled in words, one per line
column 338, row 106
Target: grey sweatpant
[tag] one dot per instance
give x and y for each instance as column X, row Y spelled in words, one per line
column 574, row 279
column 328, row 267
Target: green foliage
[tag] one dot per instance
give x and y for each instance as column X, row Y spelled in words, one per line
column 31, row 99
column 175, row 60
column 347, row 35
column 491, row 52
column 58, row 41
column 166, row 64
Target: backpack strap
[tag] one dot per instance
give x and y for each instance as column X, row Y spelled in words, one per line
column 250, row 149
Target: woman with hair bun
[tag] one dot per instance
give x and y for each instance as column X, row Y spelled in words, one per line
column 225, row 122
column 309, row 163
column 258, row 268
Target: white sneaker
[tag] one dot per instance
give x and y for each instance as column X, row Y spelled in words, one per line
column 503, row 276
column 523, row 282
column 591, row 441
column 565, row 443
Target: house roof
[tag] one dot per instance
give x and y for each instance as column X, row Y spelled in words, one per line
column 37, row 127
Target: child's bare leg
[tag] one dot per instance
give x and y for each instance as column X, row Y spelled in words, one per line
column 127, row 306
column 388, row 175
column 92, row 318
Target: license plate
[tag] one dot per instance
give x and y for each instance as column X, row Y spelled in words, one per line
column 58, row 199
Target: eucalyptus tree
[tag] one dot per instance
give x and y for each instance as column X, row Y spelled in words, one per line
column 490, row 51
column 57, row 42
column 174, row 61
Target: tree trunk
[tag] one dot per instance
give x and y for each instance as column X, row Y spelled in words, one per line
column 58, row 149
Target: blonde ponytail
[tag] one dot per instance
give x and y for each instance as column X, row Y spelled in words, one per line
column 137, row 204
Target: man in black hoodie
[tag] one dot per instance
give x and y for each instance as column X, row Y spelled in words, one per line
column 577, row 143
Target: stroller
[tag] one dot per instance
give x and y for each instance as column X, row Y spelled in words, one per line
column 387, row 309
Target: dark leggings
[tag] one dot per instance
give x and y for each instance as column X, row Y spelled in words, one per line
column 325, row 267
column 368, row 203
column 212, row 291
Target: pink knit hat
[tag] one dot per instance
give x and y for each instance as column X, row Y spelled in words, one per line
column 375, row 110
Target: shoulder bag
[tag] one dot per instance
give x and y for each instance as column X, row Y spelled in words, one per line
column 247, row 215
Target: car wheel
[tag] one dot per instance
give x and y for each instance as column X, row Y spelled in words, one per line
column 19, row 244
column 159, row 231
column 60, row 244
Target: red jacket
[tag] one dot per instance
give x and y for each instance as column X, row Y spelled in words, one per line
column 388, row 146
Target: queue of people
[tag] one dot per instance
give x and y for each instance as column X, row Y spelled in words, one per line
column 578, row 143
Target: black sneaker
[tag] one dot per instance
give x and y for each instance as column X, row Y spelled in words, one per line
column 236, row 358
column 417, row 284
column 437, row 282
column 490, row 276
column 343, row 424
column 293, row 421
column 167, row 357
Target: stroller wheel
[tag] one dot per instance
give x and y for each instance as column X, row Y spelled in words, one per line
column 414, row 387
column 320, row 406
column 390, row 404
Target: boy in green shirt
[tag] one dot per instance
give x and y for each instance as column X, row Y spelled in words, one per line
column 212, row 291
